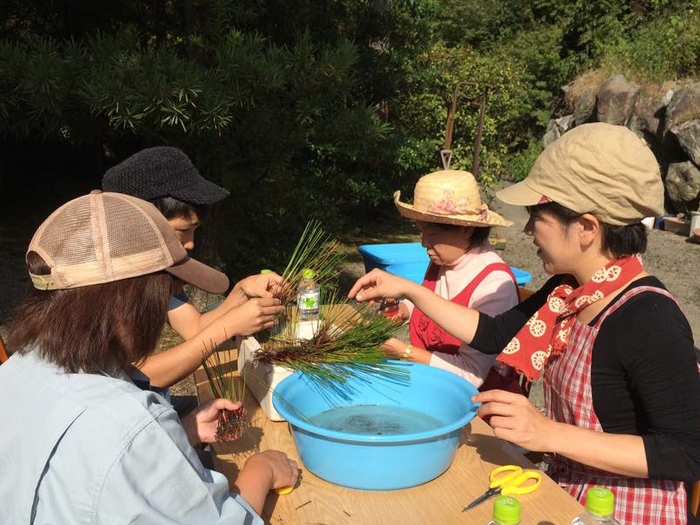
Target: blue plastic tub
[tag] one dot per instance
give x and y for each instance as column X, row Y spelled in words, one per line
column 410, row 260
column 384, row 461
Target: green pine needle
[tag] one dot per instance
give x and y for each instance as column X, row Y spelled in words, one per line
column 217, row 367
column 317, row 251
column 347, row 344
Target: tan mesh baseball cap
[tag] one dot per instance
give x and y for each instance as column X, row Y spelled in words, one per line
column 595, row 168
column 105, row 237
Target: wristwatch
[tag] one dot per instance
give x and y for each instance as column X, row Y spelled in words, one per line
column 407, row 353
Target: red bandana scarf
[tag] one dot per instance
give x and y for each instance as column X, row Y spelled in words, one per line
column 547, row 331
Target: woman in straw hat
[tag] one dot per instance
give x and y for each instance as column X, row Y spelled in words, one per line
column 454, row 225
column 82, row 443
column 621, row 383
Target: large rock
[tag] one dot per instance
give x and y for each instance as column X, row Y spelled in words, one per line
column 615, row 100
column 648, row 113
column 683, row 186
column 684, row 106
column 688, row 135
column 556, row 128
column 584, row 107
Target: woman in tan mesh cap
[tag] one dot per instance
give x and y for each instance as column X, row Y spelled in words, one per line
column 620, row 378
column 454, row 225
column 82, row 443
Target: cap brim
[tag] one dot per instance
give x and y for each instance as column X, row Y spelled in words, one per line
column 203, row 193
column 520, row 194
column 200, row 275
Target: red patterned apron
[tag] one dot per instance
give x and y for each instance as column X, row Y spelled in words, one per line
column 426, row 334
column 568, row 399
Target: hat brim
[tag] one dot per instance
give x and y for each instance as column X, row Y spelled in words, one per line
column 202, row 193
column 520, row 194
column 200, row 275
column 409, row 211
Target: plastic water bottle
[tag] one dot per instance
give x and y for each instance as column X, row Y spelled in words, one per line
column 308, row 296
column 600, row 504
column 506, row 511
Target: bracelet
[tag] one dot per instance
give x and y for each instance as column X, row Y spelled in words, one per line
column 407, row 353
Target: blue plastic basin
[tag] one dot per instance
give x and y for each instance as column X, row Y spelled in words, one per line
column 410, row 260
column 379, row 462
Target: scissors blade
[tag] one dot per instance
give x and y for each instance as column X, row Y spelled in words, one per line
column 486, row 495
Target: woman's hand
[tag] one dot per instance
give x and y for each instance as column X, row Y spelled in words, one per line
column 259, row 285
column 378, row 284
column 394, row 347
column 515, row 419
column 263, row 472
column 253, row 316
column 201, row 424
column 284, row 472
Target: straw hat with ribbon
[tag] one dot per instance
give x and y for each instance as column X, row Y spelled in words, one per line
column 449, row 197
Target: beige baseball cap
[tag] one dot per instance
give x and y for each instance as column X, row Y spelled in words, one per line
column 105, row 237
column 595, row 168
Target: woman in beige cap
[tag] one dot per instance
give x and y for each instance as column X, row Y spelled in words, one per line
column 454, row 225
column 82, row 443
column 621, row 383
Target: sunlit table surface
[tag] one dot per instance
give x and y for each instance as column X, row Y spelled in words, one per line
column 440, row 501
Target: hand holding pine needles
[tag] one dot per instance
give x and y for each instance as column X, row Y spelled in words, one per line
column 203, row 423
column 231, row 422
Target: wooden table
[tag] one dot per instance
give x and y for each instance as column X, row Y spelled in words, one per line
column 317, row 502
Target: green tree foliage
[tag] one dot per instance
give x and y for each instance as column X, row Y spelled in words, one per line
column 318, row 108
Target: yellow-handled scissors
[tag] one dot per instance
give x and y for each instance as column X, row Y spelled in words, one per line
column 507, row 480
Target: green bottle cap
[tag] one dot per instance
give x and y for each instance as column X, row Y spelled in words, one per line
column 265, row 270
column 308, row 273
column 600, row 501
column 506, row 510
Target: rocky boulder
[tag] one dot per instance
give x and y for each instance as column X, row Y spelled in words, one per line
column 688, row 135
column 683, row 185
column 648, row 113
column 615, row 100
column 684, row 106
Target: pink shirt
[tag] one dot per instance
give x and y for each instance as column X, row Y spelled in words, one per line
column 493, row 296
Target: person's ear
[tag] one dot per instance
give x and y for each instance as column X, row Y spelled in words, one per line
column 468, row 232
column 589, row 229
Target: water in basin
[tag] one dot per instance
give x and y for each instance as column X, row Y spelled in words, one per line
column 375, row 420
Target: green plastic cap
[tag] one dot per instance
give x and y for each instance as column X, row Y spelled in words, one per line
column 308, row 273
column 265, row 270
column 600, row 501
column 506, row 510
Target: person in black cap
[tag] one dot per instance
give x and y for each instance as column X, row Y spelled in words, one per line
column 166, row 177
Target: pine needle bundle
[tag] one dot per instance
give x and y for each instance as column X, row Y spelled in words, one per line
column 315, row 250
column 347, row 343
column 232, row 423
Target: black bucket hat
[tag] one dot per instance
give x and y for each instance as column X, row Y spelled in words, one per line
column 159, row 172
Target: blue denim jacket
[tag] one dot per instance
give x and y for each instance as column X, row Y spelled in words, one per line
column 95, row 449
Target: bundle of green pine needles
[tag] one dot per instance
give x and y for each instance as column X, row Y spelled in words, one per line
column 232, row 423
column 315, row 250
column 347, row 343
